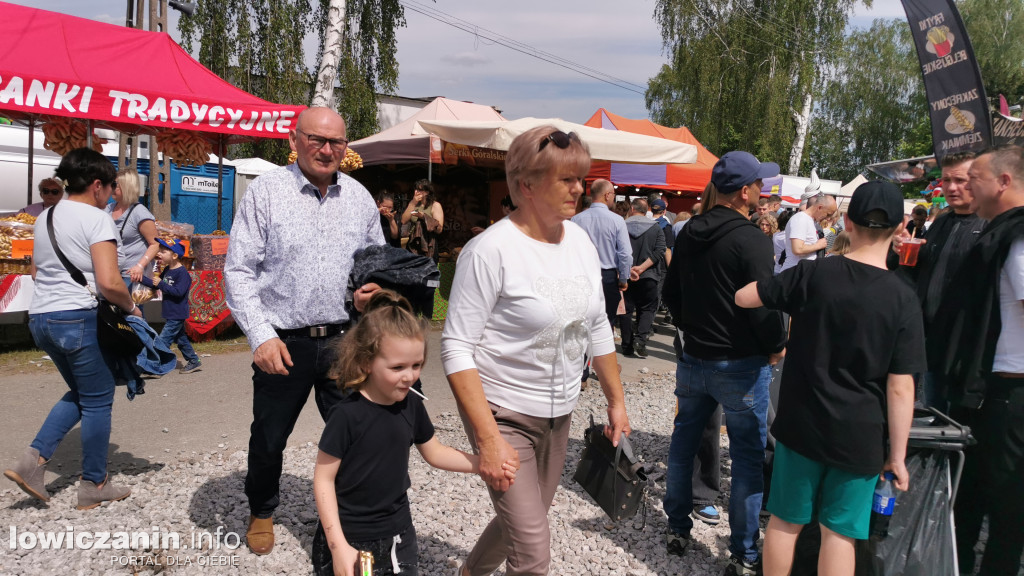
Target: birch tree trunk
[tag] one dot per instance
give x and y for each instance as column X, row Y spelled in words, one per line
column 803, row 123
column 331, row 55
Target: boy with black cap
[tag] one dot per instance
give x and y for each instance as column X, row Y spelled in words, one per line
column 847, row 396
column 727, row 353
column 174, row 284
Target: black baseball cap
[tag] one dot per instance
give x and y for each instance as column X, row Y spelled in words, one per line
column 876, row 195
column 736, row 169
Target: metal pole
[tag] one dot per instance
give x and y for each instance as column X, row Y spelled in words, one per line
column 88, row 134
column 128, row 16
column 220, row 178
column 430, row 170
column 31, row 155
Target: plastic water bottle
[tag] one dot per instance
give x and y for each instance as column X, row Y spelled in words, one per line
column 882, row 506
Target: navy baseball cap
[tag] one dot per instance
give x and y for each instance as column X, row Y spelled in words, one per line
column 658, row 205
column 173, row 246
column 877, row 195
column 736, row 169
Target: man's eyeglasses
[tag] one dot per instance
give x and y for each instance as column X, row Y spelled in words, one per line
column 561, row 139
column 317, row 142
column 50, row 191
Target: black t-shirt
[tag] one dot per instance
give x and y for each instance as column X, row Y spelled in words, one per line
column 373, row 443
column 853, row 325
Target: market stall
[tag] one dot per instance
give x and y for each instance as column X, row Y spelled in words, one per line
column 95, row 75
column 680, row 180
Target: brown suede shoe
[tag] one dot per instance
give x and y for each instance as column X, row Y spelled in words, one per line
column 29, row 474
column 260, row 536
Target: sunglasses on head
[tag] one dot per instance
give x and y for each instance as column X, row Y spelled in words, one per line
column 561, row 139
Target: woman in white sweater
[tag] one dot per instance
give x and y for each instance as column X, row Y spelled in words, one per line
column 526, row 306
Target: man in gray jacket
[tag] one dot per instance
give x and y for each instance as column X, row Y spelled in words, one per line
column 648, row 243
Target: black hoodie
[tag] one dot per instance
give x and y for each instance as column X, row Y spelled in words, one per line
column 715, row 255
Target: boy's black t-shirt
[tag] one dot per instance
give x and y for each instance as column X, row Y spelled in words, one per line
column 373, row 443
column 853, row 325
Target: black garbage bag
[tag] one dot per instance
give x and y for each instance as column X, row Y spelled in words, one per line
column 920, row 535
column 920, row 538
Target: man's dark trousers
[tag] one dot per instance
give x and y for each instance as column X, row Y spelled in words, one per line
column 276, row 405
column 992, row 482
column 641, row 296
column 610, row 284
column 707, row 467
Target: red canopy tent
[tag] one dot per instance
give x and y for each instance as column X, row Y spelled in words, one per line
column 690, row 179
column 131, row 80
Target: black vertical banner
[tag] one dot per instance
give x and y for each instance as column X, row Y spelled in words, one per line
column 959, row 111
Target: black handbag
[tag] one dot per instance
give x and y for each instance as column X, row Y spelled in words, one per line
column 611, row 475
column 114, row 333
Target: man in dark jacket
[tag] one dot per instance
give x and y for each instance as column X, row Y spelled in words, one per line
column 949, row 240
column 981, row 324
column 727, row 353
column 648, row 243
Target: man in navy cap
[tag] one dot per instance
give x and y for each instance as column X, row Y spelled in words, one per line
column 727, row 352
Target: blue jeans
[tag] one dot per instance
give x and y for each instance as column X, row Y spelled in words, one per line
column 69, row 337
column 174, row 333
column 741, row 387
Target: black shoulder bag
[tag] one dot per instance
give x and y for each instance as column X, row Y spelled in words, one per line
column 611, row 475
column 114, row 333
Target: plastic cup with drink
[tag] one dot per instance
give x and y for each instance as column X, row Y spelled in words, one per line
column 909, row 250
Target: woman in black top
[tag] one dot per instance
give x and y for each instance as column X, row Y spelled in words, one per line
column 386, row 205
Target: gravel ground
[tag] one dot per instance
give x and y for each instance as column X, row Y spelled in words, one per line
column 201, row 493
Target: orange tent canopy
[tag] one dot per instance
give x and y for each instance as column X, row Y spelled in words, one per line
column 690, row 178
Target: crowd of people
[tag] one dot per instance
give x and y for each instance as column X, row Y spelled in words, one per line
column 536, row 299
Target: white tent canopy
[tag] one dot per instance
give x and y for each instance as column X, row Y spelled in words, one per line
column 253, row 166
column 847, row 191
column 849, row 187
column 607, row 145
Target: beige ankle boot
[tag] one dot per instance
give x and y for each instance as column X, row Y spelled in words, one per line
column 29, row 474
column 91, row 495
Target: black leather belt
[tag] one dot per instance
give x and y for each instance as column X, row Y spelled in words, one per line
column 319, row 331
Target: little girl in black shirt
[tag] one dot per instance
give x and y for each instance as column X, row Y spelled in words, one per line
column 362, row 468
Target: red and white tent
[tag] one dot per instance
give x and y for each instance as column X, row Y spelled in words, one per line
column 135, row 81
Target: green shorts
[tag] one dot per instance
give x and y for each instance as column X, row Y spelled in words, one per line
column 803, row 488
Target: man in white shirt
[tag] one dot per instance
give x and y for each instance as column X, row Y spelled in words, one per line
column 983, row 358
column 802, row 240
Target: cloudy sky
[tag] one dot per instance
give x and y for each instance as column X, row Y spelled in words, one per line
column 615, row 38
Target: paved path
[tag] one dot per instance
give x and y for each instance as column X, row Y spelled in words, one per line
column 199, row 411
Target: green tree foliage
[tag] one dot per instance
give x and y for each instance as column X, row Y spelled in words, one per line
column 996, row 28
column 739, row 69
column 872, row 106
column 257, row 46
